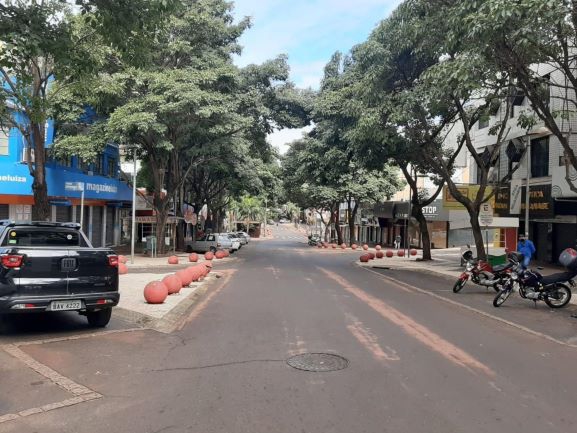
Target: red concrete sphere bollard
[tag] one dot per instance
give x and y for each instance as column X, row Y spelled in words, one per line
column 172, row 283
column 378, row 248
column 354, row 246
column 122, row 259
column 219, row 255
column 380, row 254
column 390, row 253
column 343, row 246
column 371, row 256
column 226, row 253
column 413, row 252
column 184, row 276
column 333, row 246
column 401, row 253
column 208, row 256
column 365, row 247
column 173, row 260
column 193, row 272
column 122, row 269
column 155, row 292
column 193, row 258
column 364, row 258
column 319, row 245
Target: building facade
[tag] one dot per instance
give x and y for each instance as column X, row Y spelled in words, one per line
column 105, row 195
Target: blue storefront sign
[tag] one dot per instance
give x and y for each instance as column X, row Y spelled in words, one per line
column 15, row 179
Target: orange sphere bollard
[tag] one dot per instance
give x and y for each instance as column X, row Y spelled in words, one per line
column 401, row 253
column 226, row 253
column 155, row 292
column 371, row 256
column 365, row 258
column 390, row 254
column 219, row 255
column 343, row 246
column 172, row 283
column 365, row 247
column 173, row 260
column 319, row 245
column 378, row 248
column 380, row 254
column 413, row 252
column 354, row 246
column 122, row 269
column 193, row 272
column 208, row 256
column 333, row 246
column 193, row 258
column 122, row 259
column 184, row 276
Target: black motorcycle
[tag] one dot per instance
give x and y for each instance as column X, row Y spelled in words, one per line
column 554, row 290
column 314, row 240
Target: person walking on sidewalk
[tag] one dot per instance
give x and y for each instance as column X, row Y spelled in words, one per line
column 398, row 242
column 526, row 247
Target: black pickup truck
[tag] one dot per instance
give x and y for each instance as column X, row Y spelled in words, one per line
column 53, row 267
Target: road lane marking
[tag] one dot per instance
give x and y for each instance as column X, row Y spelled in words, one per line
column 370, row 341
column 402, row 285
column 421, row 333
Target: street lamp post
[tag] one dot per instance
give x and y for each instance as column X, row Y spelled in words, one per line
column 133, row 228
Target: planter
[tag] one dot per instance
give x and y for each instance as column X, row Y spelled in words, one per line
column 172, row 283
column 155, row 292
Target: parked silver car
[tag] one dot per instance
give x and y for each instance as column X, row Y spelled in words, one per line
column 244, row 235
column 238, row 237
column 215, row 241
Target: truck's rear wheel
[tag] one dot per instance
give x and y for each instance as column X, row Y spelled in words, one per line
column 100, row 318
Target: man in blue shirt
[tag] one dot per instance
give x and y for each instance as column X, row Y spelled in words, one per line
column 525, row 247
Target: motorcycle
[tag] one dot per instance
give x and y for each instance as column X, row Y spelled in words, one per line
column 554, row 290
column 482, row 273
column 314, row 240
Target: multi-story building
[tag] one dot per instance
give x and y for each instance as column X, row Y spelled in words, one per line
column 537, row 157
column 105, row 195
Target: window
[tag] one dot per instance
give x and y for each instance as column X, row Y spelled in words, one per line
column 483, row 122
column 540, row 157
column 111, row 167
column 4, row 143
column 98, row 165
column 43, row 238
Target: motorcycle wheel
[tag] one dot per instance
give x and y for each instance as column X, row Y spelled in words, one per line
column 558, row 297
column 459, row 285
column 501, row 297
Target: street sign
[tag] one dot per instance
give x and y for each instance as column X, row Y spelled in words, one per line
column 486, row 214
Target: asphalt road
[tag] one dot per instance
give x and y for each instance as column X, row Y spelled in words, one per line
column 416, row 363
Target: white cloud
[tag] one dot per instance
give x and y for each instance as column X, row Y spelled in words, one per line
column 281, row 139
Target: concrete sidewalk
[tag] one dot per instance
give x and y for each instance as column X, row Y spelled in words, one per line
column 162, row 317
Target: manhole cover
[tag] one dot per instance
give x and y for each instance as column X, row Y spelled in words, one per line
column 318, row 362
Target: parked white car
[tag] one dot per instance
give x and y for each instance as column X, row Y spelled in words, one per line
column 215, row 241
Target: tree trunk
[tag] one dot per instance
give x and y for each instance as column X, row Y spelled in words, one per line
column 338, row 228
column 352, row 220
column 328, row 227
column 417, row 212
column 41, row 209
column 161, row 218
column 477, row 235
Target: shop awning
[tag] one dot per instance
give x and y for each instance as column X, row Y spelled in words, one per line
column 384, row 210
column 498, row 223
column 402, row 210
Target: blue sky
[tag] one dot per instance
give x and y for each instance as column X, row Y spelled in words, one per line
column 309, row 32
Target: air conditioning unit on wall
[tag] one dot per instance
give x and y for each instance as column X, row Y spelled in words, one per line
column 25, row 155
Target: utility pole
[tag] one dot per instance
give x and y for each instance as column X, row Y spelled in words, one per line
column 527, row 195
column 133, row 236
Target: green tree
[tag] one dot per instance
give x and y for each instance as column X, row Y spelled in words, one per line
column 43, row 41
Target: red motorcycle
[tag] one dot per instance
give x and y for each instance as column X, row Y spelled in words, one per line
column 481, row 273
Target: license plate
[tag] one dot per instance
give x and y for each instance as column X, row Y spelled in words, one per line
column 65, row 305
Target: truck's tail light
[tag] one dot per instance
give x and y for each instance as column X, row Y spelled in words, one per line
column 12, row 260
column 113, row 261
